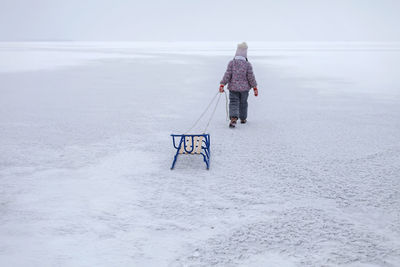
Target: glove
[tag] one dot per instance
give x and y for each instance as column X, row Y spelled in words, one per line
column 255, row 91
column 221, row 88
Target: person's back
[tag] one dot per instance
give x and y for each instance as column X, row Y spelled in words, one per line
column 240, row 79
column 239, row 75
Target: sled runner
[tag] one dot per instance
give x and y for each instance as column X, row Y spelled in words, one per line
column 193, row 145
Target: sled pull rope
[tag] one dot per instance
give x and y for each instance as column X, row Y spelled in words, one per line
column 215, row 108
column 226, row 106
column 202, row 114
column 212, row 114
column 207, row 108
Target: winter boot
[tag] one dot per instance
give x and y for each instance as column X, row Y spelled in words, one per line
column 243, row 121
column 232, row 124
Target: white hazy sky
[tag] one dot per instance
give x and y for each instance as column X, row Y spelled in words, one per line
column 206, row 20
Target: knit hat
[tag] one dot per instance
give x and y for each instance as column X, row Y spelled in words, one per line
column 242, row 50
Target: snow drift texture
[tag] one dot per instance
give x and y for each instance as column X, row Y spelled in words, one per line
column 311, row 180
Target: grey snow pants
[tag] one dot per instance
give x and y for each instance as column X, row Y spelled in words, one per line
column 238, row 104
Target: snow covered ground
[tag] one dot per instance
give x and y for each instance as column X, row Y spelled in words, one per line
column 313, row 179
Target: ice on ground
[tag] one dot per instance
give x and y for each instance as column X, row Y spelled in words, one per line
column 311, row 180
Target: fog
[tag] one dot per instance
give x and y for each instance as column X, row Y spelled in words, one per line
column 179, row 20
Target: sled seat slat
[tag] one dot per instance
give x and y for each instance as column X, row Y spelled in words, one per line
column 192, row 144
column 196, row 143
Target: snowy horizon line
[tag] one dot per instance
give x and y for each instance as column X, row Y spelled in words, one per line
column 187, row 41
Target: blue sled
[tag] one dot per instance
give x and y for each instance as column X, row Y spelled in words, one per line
column 192, row 144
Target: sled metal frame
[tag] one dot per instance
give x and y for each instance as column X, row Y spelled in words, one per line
column 192, row 144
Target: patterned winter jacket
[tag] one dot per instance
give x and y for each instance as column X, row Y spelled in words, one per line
column 239, row 76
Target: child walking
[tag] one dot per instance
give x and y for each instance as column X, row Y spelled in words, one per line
column 240, row 79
